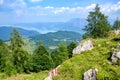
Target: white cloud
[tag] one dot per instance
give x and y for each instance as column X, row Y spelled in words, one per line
column 110, row 7
column 58, row 11
column 19, row 8
column 36, row 0
column 61, row 10
column 49, row 7
column 92, row 6
column 111, row 10
column 1, row 2
column 76, row 10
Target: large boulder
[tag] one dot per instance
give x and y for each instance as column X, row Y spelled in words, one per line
column 115, row 56
column 87, row 45
column 90, row 74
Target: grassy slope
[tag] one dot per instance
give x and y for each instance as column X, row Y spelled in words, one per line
column 99, row 57
column 33, row 76
column 73, row 69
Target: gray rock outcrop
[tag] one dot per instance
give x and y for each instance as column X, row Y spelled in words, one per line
column 118, row 46
column 90, row 74
column 87, row 45
column 117, row 32
column 115, row 56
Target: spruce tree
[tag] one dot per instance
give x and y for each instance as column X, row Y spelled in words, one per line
column 55, row 57
column 20, row 56
column 98, row 26
column 70, row 47
column 41, row 59
column 60, row 55
column 16, row 40
column 63, row 51
column 6, row 60
column 116, row 24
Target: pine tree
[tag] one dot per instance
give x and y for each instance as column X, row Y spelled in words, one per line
column 98, row 26
column 70, row 47
column 116, row 24
column 41, row 59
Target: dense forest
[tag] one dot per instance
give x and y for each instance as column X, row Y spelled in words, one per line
column 15, row 59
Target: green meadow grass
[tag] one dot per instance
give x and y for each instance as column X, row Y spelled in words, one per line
column 99, row 57
column 33, row 76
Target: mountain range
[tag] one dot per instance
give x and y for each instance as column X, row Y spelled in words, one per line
column 75, row 24
column 51, row 39
column 5, row 32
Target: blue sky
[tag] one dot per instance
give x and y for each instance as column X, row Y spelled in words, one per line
column 25, row 11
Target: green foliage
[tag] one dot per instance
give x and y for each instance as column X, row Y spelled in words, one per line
column 70, row 47
column 41, row 50
column 54, row 39
column 55, row 57
column 20, row 56
column 29, row 46
column 99, row 57
column 37, row 76
column 6, row 64
column 116, row 24
column 32, row 76
column 20, row 60
column 9, row 68
column 15, row 40
column 41, row 59
column 63, row 51
column 60, row 55
column 98, row 25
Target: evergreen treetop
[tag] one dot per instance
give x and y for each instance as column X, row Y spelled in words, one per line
column 16, row 40
column 116, row 24
column 97, row 26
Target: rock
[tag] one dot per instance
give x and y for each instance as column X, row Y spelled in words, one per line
column 118, row 46
column 90, row 74
column 110, row 63
column 107, row 42
column 58, row 66
column 49, row 77
column 116, row 32
column 87, row 45
column 115, row 56
column 99, row 45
